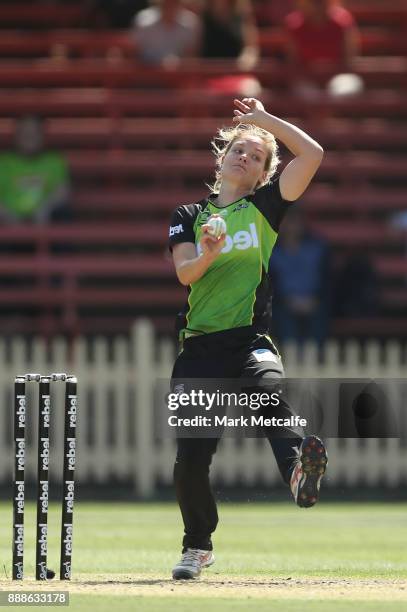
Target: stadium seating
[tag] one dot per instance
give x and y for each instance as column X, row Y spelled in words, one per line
column 321, row 201
column 136, row 139
column 111, row 43
column 367, row 13
column 41, row 14
column 180, row 133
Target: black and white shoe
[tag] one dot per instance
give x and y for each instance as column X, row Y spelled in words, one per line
column 193, row 560
column 309, row 468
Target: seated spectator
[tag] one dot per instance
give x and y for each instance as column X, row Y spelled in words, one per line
column 34, row 183
column 166, row 33
column 322, row 34
column 112, row 13
column 299, row 271
column 229, row 31
column 117, row 14
column 34, row 188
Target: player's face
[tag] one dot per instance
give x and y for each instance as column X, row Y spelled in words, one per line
column 243, row 164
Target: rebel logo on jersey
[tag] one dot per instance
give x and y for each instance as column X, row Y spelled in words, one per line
column 176, row 229
column 241, row 240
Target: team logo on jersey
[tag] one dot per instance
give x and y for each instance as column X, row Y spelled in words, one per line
column 206, row 214
column 241, row 206
column 241, row 240
column 176, row 229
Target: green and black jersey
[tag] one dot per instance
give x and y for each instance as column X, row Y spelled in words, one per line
column 234, row 290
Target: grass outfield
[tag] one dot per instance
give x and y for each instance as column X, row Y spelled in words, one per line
column 268, row 556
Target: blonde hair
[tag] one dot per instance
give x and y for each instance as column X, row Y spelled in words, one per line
column 224, row 140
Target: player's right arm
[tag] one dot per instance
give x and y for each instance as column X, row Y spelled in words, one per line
column 190, row 266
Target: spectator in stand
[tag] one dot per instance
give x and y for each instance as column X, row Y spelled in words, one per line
column 117, row 14
column 299, row 269
column 229, row 31
column 34, row 188
column 34, row 182
column 166, row 33
column 321, row 34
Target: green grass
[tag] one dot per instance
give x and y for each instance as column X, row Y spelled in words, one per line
column 188, row 604
column 351, row 541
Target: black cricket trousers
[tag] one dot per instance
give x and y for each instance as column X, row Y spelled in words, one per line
column 226, row 354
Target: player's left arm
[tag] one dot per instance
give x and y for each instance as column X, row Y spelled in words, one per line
column 298, row 174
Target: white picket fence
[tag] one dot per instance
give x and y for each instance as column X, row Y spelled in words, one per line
column 116, row 436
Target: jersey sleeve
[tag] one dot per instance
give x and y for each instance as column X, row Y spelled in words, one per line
column 269, row 201
column 181, row 227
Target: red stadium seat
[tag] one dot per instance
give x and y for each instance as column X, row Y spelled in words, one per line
column 112, row 43
column 69, row 43
column 390, row 15
column 375, row 42
column 186, row 133
column 367, row 13
column 351, row 234
column 319, row 201
column 176, row 168
column 77, row 234
column 321, row 198
column 376, row 72
column 392, row 267
column 86, row 274
column 131, row 202
column 41, row 14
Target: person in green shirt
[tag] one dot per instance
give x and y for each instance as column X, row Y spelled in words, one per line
column 34, row 182
column 224, row 325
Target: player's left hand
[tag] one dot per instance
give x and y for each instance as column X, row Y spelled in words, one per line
column 248, row 110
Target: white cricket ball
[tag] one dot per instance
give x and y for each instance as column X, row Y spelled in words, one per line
column 217, row 226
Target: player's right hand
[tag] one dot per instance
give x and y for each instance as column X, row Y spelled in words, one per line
column 211, row 246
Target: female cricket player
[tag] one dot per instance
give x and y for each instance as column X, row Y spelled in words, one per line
column 223, row 328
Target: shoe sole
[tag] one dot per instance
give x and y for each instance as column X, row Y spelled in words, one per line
column 314, row 460
column 185, row 575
